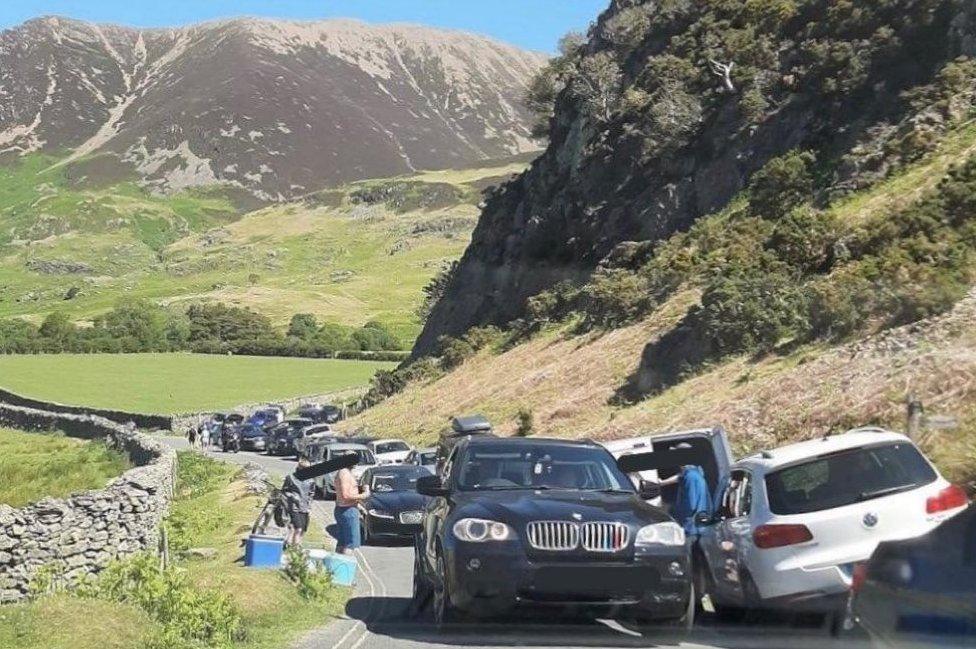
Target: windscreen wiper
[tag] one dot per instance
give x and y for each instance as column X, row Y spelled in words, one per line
column 870, row 495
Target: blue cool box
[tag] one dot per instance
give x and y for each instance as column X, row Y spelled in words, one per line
column 342, row 568
column 263, row 551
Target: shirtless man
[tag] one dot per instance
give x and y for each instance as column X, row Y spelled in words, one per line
column 348, row 498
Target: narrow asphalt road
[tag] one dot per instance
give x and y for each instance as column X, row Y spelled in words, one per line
column 376, row 617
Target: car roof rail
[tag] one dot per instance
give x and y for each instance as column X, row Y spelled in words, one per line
column 869, row 429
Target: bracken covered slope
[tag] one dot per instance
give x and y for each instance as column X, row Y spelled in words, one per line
column 277, row 108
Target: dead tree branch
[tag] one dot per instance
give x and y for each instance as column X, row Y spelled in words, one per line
column 724, row 72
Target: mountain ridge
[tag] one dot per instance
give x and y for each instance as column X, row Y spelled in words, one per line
column 277, row 108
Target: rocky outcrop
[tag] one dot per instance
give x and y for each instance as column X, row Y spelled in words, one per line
column 611, row 177
column 68, row 539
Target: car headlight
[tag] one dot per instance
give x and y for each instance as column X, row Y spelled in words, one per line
column 660, row 534
column 375, row 513
column 478, row 530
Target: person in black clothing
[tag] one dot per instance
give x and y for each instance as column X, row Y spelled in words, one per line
column 299, row 497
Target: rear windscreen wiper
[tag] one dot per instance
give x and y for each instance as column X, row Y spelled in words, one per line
column 869, row 495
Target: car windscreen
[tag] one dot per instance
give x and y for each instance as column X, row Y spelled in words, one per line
column 252, row 431
column 400, row 481
column 511, row 466
column 392, row 447
column 847, row 477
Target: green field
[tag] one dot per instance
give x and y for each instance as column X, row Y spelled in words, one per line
column 177, row 383
column 357, row 253
column 35, row 465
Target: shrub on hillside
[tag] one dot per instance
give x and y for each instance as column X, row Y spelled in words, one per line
column 752, row 311
column 783, row 184
column 615, row 298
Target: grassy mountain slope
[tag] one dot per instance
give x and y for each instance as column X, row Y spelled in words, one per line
column 569, row 384
column 349, row 255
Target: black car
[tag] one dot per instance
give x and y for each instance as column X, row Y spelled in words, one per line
column 281, row 438
column 253, row 437
column 394, row 509
column 547, row 523
column 922, row 592
column 324, row 414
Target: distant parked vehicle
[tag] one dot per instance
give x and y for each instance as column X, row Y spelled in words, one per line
column 326, row 484
column 312, row 434
column 253, row 438
column 321, row 414
column 423, row 457
column 280, row 411
column 281, row 438
column 390, row 451
column 266, row 418
column 922, row 592
column 234, row 419
column 793, row 523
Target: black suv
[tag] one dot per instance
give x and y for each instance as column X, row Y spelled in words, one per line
column 551, row 523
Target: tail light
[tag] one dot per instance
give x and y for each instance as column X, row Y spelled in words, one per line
column 859, row 576
column 951, row 497
column 778, row 536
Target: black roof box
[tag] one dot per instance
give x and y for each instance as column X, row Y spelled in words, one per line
column 471, row 425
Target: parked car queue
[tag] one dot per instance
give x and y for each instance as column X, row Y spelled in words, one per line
column 792, row 528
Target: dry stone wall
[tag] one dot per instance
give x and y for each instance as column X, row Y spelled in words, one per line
column 80, row 535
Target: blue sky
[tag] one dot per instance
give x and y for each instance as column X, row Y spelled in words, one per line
column 534, row 24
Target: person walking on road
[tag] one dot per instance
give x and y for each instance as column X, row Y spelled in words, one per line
column 205, row 436
column 191, row 436
column 348, row 498
column 299, row 495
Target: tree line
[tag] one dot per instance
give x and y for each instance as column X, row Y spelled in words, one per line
column 137, row 326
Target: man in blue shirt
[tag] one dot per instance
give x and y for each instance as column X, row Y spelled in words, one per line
column 693, row 498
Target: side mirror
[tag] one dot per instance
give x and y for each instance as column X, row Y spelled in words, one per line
column 704, row 519
column 649, row 490
column 431, row 486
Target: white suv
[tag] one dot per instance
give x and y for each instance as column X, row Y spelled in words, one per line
column 793, row 523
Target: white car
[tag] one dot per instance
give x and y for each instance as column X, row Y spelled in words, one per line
column 312, row 434
column 390, row 451
column 792, row 523
column 326, row 484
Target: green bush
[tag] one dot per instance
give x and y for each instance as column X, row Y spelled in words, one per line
column 313, row 582
column 189, row 617
column 753, row 311
column 783, row 184
column 526, row 422
column 615, row 298
column 454, row 351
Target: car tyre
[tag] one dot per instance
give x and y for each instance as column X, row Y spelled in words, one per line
column 422, row 592
column 443, row 609
column 686, row 622
column 363, row 530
